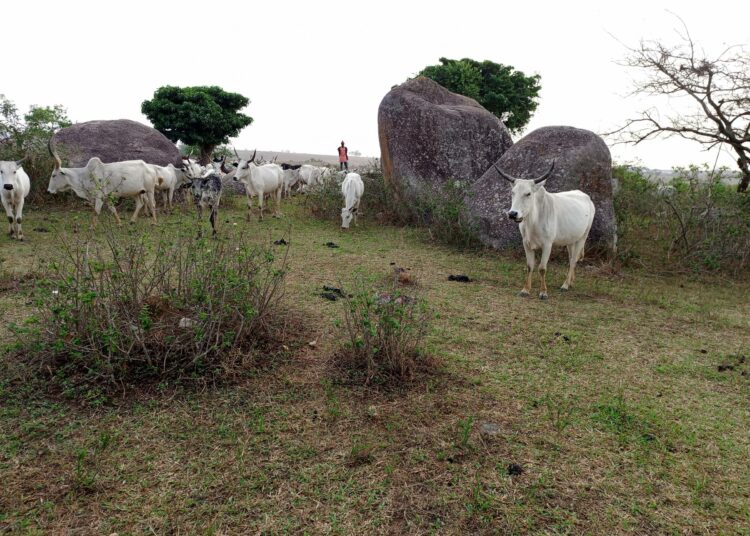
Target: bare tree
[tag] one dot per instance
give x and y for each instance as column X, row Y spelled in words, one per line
column 719, row 88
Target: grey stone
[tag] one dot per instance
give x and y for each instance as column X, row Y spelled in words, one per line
column 582, row 162
column 429, row 135
column 114, row 141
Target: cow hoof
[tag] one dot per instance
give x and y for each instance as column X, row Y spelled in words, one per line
column 563, row 289
column 524, row 294
column 543, row 296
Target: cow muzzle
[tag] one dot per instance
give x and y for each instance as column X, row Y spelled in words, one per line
column 8, row 186
column 513, row 215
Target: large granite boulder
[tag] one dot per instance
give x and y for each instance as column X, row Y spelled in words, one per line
column 114, row 141
column 583, row 162
column 429, row 135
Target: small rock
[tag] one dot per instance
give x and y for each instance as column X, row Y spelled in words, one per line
column 704, row 351
column 280, row 242
column 722, row 368
column 329, row 296
column 186, row 323
column 489, row 430
column 331, row 244
column 461, row 278
column 312, row 344
column 514, row 469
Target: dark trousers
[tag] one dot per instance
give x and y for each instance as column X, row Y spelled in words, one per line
column 344, row 166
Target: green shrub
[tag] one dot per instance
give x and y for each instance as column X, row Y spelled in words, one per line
column 442, row 211
column 122, row 308
column 385, row 335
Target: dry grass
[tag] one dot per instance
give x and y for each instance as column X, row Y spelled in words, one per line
column 609, row 398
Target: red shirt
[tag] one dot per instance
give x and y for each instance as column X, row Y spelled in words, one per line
column 343, row 154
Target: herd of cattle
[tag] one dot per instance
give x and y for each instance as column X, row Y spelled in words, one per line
column 545, row 219
column 102, row 184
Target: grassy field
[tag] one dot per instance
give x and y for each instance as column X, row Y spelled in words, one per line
column 609, row 401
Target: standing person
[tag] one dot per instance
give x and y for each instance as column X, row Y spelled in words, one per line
column 343, row 157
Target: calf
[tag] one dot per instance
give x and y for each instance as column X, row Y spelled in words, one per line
column 16, row 186
column 352, row 188
column 168, row 179
column 546, row 220
column 207, row 193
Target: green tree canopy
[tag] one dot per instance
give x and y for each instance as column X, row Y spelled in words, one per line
column 509, row 94
column 204, row 116
column 27, row 137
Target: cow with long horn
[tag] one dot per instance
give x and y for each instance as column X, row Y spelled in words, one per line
column 549, row 219
column 99, row 183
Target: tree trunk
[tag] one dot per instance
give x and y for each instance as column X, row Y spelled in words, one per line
column 744, row 182
column 744, row 165
column 207, row 152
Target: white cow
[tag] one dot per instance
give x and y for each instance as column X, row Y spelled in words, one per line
column 98, row 182
column 169, row 179
column 546, row 220
column 191, row 169
column 267, row 179
column 291, row 179
column 309, row 176
column 352, row 188
column 16, row 186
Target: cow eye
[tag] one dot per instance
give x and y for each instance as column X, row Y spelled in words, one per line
column 528, row 194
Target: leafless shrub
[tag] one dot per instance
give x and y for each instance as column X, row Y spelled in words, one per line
column 115, row 309
column 695, row 222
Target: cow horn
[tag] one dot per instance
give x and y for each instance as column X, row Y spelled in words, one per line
column 253, row 158
column 236, row 154
column 58, row 162
column 503, row 175
column 544, row 177
column 19, row 162
column 224, row 169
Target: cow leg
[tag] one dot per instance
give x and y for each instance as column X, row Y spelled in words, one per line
column 139, row 202
column 98, row 204
column 9, row 211
column 249, row 207
column 575, row 253
column 546, row 250
column 19, row 218
column 260, row 204
column 277, row 206
column 151, row 202
column 212, row 218
column 530, row 261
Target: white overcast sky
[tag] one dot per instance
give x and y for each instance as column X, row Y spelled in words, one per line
column 315, row 72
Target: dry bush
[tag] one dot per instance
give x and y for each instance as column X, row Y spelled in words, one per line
column 695, row 222
column 124, row 308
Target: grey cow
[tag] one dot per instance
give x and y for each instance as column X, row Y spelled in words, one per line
column 207, row 193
